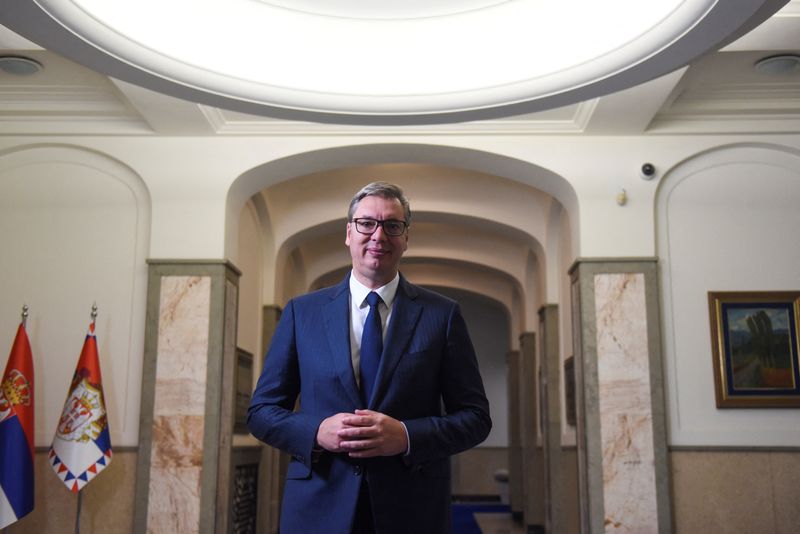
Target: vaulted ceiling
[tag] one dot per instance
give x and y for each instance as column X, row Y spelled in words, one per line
column 719, row 92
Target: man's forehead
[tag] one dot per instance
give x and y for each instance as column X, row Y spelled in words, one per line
column 373, row 202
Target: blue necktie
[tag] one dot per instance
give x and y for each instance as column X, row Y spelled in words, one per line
column 371, row 347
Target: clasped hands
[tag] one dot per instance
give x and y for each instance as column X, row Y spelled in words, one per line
column 363, row 434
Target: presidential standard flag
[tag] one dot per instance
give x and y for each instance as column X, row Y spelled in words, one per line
column 82, row 445
column 16, row 432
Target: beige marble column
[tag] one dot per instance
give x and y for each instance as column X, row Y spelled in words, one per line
column 515, row 495
column 530, row 432
column 187, row 413
column 621, row 431
column 273, row 462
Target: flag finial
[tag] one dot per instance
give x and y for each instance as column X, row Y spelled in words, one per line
column 94, row 312
column 24, row 314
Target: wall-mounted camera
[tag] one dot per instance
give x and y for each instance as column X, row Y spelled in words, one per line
column 648, row 171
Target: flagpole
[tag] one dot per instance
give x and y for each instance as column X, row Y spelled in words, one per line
column 78, row 515
column 80, row 492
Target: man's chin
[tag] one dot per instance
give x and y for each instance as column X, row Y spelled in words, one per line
column 380, row 271
column 377, row 263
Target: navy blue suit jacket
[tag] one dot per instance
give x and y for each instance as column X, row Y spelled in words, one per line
column 428, row 378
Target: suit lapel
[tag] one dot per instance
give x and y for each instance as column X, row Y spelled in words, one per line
column 337, row 330
column 405, row 315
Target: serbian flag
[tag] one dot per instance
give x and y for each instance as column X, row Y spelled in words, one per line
column 16, row 432
column 82, row 445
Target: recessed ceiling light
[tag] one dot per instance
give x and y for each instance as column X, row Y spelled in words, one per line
column 780, row 65
column 19, row 66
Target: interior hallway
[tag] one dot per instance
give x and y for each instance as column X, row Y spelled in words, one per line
column 191, row 224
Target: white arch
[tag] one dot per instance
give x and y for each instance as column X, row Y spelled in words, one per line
column 85, row 216
column 725, row 220
column 256, row 179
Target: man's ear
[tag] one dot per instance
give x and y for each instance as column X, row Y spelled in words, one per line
column 347, row 236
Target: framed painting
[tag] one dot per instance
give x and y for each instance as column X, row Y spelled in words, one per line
column 755, row 348
column 243, row 387
column 569, row 391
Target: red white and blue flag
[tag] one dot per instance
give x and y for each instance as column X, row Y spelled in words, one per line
column 82, row 445
column 16, row 432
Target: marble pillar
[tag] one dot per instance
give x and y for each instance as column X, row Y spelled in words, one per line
column 621, row 431
column 188, row 403
column 555, row 498
column 515, row 495
column 273, row 463
column 531, row 435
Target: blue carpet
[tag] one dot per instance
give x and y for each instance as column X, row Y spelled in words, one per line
column 464, row 519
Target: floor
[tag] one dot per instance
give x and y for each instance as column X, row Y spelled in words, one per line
column 498, row 524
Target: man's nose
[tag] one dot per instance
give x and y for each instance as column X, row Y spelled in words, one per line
column 379, row 234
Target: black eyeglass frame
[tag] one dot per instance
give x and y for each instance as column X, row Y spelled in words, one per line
column 357, row 222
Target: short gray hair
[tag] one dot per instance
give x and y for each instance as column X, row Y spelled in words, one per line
column 383, row 190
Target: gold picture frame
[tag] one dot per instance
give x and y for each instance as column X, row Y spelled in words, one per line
column 755, row 348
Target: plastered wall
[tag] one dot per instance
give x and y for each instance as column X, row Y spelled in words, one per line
column 74, row 231
column 727, row 221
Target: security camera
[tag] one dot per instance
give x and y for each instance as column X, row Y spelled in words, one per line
column 648, row 171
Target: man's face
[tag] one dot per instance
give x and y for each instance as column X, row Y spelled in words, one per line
column 376, row 257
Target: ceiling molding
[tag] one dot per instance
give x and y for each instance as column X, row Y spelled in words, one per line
column 731, row 124
column 65, row 109
column 571, row 119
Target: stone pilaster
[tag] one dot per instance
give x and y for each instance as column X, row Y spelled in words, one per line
column 273, row 462
column 531, row 436
column 187, row 412
column 621, row 431
column 515, row 494
column 554, row 473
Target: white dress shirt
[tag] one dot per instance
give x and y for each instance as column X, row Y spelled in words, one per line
column 359, row 309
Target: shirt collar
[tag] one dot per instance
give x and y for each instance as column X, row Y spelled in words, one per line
column 359, row 292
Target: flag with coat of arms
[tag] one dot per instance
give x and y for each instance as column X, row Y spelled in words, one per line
column 82, row 445
column 16, row 432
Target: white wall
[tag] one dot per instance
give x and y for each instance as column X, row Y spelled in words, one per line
column 565, row 260
column 77, row 220
column 728, row 220
column 250, row 262
column 489, row 328
column 75, row 231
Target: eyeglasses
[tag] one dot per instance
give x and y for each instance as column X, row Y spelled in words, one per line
column 391, row 227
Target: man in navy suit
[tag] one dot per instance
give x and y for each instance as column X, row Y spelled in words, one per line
column 389, row 389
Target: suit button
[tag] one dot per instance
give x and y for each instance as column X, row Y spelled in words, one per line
column 357, row 470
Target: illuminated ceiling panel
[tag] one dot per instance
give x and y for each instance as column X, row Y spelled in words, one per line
column 385, row 62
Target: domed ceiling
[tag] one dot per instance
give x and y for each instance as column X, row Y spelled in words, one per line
column 385, row 63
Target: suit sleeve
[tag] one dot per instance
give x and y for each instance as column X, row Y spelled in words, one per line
column 466, row 421
column 271, row 417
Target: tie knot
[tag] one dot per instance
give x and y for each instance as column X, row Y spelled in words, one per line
column 373, row 299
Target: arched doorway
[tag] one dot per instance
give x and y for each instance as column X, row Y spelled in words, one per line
column 498, row 228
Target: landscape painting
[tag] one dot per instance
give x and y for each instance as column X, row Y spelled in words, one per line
column 755, row 348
